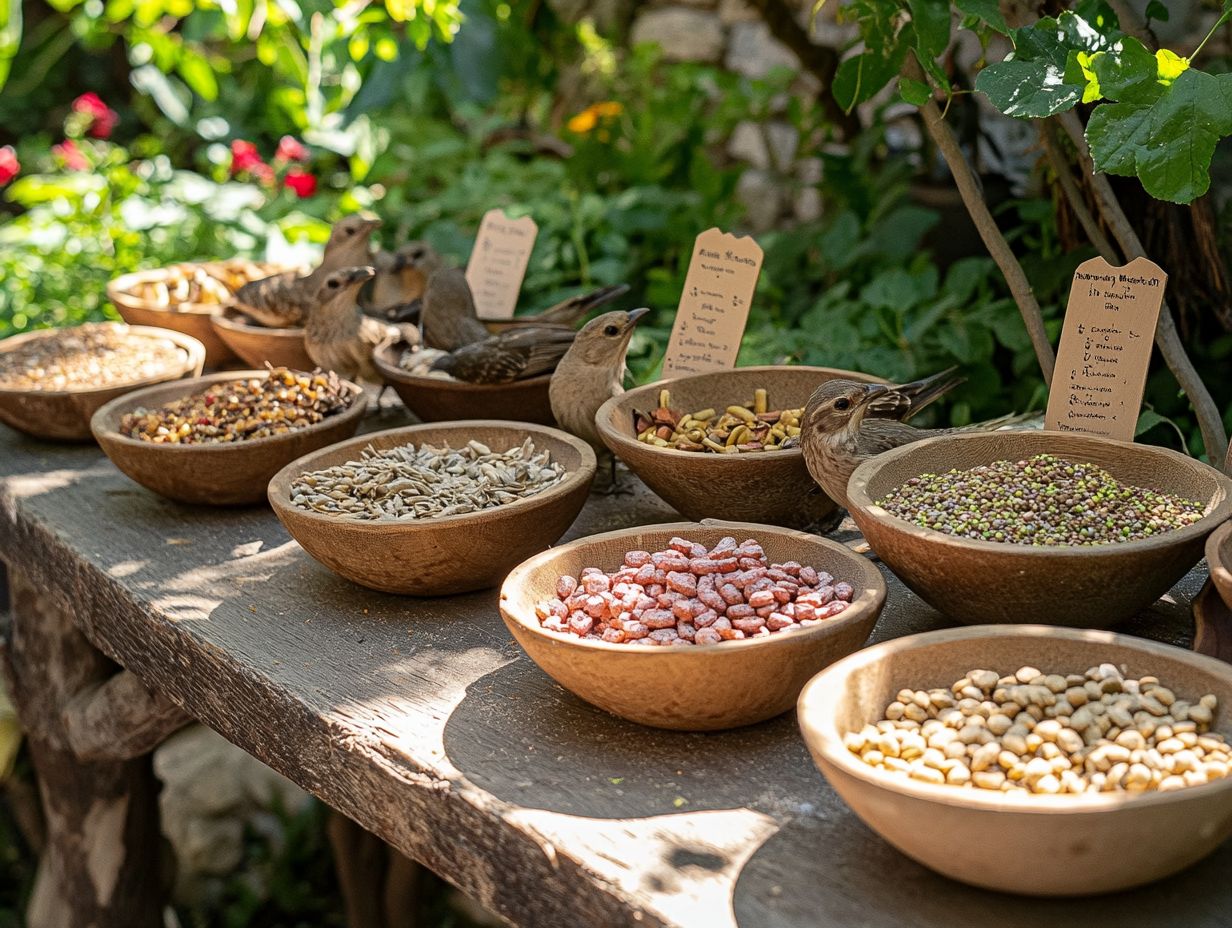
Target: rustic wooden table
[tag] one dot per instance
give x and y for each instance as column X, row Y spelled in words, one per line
column 422, row 721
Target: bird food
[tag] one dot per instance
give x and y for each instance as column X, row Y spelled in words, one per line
column 407, row 482
column 690, row 595
column 419, row 361
column 1048, row 733
column 738, row 428
column 199, row 284
column 242, row 410
column 1044, row 500
column 88, row 357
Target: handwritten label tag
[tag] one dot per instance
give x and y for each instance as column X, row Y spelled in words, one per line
column 498, row 263
column 1105, row 348
column 715, row 304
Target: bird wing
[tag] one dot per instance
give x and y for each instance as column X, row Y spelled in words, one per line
column 512, row 355
column 569, row 312
column 1001, row 422
column 905, row 400
column 280, row 301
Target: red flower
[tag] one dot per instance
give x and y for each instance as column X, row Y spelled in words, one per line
column 72, row 156
column 303, row 183
column 9, row 165
column 102, row 117
column 244, row 157
column 290, row 149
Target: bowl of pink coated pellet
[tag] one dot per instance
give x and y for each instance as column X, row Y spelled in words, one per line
column 688, row 626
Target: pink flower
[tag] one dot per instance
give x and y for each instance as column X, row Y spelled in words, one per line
column 303, row 183
column 102, row 118
column 245, row 157
column 291, row 149
column 72, row 156
column 9, row 165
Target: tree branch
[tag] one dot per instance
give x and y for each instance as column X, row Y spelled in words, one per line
column 821, row 62
column 1214, row 436
column 1073, row 195
column 973, row 198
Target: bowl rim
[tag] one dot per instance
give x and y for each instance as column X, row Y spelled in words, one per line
column 617, row 439
column 1214, row 561
column 861, row 504
column 814, row 713
column 223, row 319
column 393, row 374
column 356, row 410
column 118, row 289
column 193, row 349
column 279, row 489
column 870, row 601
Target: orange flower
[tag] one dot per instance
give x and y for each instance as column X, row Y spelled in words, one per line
column 608, row 109
column 583, row 122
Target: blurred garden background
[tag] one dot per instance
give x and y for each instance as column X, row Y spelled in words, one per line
column 137, row 133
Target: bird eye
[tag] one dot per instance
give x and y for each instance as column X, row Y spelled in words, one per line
column 334, row 284
column 842, row 403
column 611, row 330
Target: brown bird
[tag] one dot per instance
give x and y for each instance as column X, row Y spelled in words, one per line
column 339, row 337
column 284, row 300
column 515, row 354
column 591, row 373
column 402, row 276
column 450, row 319
column 845, row 423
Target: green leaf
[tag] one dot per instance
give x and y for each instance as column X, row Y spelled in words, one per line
column 197, row 74
column 1115, row 132
column 1026, row 89
column 1128, row 72
column 917, row 93
column 861, row 76
column 1156, row 11
column 987, row 10
column 1171, row 65
column 931, row 19
column 10, row 36
column 1147, row 420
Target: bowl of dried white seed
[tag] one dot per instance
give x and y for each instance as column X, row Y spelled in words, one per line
column 431, row 510
column 1028, row 758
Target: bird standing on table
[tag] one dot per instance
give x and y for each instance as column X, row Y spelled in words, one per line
column 845, row 423
column 284, row 300
column 339, row 337
column 591, row 373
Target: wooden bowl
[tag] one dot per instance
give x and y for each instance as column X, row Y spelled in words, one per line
column 450, row 554
column 699, row 688
column 985, row 581
column 192, row 319
column 770, row 486
column 1219, row 558
column 435, row 399
column 64, row 415
column 1039, row 845
column 231, row 474
column 258, row 345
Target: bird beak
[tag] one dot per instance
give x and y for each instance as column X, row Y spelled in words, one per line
column 358, row 275
column 872, row 391
column 636, row 314
column 371, row 224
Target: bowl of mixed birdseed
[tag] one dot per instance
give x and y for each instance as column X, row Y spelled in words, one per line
column 723, row 445
column 217, row 440
column 1030, row 759
column 52, row 380
column 430, row 510
column 183, row 296
column 1038, row 526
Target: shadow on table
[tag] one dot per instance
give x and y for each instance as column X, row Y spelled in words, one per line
column 880, row 888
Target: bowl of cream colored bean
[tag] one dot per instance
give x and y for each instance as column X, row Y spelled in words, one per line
column 1094, row 761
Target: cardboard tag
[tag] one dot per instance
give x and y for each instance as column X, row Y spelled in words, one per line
column 1105, row 348
column 498, row 263
column 715, row 304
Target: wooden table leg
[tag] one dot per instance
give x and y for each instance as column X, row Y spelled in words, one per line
column 380, row 886
column 100, row 866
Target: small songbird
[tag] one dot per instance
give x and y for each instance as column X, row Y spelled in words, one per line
column 401, row 277
column 845, row 423
column 591, row 373
column 450, row 319
column 515, row 354
column 339, row 337
column 283, row 301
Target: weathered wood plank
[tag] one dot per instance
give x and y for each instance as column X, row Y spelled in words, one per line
column 421, row 720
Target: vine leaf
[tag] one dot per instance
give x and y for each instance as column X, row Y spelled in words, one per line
column 931, row 19
column 860, row 77
column 1128, row 72
column 987, row 10
column 917, row 93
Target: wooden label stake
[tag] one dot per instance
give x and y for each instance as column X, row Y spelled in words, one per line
column 715, row 304
column 498, row 263
column 1105, row 348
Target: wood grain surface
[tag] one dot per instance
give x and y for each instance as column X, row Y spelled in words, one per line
column 421, row 720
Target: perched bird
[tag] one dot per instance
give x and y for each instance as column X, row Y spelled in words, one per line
column 592, row 372
column 283, row 301
column 516, row 354
column 845, row 423
column 339, row 337
column 396, row 293
column 450, row 319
